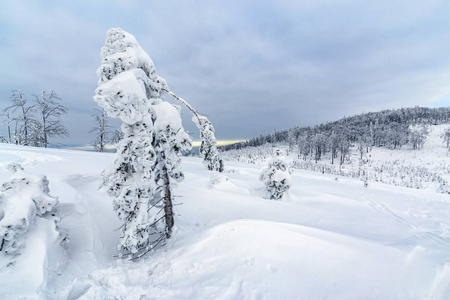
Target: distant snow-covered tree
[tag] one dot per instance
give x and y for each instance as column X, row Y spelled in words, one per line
column 397, row 135
column 7, row 121
column 24, row 118
column 102, row 130
column 50, row 109
column 446, row 137
column 208, row 149
column 319, row 143
column 334, row 142
column 35, row 134
column 276, row 177
column 148, row 156
column 417, row 136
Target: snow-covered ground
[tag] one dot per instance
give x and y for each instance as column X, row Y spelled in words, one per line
column 327, row 239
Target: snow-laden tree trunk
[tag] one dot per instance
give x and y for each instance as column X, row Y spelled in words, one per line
column 168, row 206
column 148, row 156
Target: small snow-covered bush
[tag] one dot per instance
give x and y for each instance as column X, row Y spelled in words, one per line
column 23, row 198
column 276, row 177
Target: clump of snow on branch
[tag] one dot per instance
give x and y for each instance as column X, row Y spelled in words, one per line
column 148, row 156
column 208, row 149
column 23, row 198
column 170, row 138
column 276, row 177
column 122, row 53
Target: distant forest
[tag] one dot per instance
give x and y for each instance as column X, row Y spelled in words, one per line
column 388, row 128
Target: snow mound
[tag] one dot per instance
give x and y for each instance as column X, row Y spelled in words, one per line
column 28, row 232
column 223, row 183
column 250, row 259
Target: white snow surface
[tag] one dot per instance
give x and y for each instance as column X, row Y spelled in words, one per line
column 328, row 238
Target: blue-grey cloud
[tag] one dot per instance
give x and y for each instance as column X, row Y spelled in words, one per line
column 251, row 66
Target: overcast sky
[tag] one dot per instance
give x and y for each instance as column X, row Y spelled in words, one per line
column 251, row 66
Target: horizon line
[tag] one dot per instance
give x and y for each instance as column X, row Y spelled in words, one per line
column 112, row 147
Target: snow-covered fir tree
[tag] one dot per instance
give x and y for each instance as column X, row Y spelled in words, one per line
column 148, row 156
column 276, row 177
column 208, row 149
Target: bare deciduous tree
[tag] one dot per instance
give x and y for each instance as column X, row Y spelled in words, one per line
column 25, row 115
column 101, row 129
column 7, row 121
column 51, row 110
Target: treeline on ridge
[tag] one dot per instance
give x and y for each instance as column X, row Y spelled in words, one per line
column 388, row 128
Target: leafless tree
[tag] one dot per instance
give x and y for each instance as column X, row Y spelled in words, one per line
column 7, row 121
column 101, row 129
column 25, row 115
column 50, row 110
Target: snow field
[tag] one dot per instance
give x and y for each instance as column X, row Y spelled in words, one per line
column 326, row 239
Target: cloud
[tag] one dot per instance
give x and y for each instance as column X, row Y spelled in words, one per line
column 250, row 66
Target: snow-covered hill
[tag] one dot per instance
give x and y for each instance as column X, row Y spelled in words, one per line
column 327, row 239
column 427, row 168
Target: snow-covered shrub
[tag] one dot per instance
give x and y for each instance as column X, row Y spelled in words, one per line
column 276, row 177
column 208, row 149
column 148, row 156
column 23, row 198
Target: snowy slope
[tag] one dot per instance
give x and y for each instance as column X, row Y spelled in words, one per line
column 327, row 239
column 427, row 168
